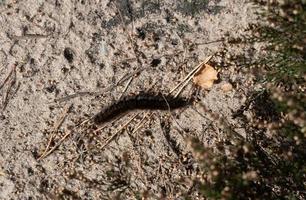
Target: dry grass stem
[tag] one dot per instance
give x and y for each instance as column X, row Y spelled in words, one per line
column 29, row 36
column 8, row 76
column 186, row 80
column 56, row 146
column 126, row 87
column 55, row 128
column 11, row 80
column 106, row 142
column 122, row 80
column 142, row 122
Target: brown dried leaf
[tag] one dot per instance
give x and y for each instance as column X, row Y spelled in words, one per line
column 206, row 77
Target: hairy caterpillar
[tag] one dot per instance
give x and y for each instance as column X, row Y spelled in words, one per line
column 141, row 101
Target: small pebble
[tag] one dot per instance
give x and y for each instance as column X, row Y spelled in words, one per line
column 68, row 54
column 226, row 87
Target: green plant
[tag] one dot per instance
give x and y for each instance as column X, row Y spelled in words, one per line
column 270, row 163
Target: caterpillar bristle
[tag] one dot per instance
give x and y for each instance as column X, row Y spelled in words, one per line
column 142, row 101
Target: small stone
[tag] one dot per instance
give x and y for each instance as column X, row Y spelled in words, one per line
column 226, row 87
column 68, row 54
column 155, row 62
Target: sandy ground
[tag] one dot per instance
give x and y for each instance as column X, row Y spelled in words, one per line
column 52, row 49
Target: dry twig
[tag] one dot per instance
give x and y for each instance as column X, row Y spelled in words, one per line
column 136, row 72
